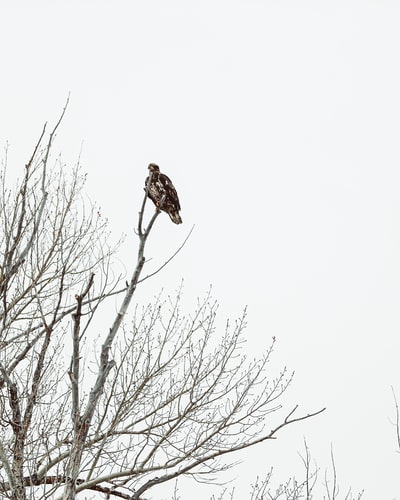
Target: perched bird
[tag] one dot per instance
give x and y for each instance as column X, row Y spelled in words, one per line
column 162, row 193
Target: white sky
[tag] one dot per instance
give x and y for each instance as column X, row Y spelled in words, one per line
column 279, row 124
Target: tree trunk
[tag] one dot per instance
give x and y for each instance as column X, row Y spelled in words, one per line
column 18, row 492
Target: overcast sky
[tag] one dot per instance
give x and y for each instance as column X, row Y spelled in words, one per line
column 279, row 124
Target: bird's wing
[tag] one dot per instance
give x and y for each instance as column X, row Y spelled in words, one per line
column 170, row 190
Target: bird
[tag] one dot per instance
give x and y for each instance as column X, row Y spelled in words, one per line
column 162, row 193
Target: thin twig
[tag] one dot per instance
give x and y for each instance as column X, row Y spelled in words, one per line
column 170, row 258
column 397, row 418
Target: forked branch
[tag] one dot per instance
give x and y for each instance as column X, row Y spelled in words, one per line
column 105, row 363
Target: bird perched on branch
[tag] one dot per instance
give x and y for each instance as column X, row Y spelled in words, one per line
column 162, row 193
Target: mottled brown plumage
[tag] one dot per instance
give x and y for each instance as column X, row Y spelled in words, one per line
column 162, row 193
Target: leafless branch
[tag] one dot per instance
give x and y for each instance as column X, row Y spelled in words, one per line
column 168, row 260
column 397, row 418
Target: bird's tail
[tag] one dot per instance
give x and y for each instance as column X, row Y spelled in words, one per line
column 175, row 217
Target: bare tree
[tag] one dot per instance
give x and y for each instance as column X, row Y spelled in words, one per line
column 397, row 419
column 308, row 487
column 169, row 395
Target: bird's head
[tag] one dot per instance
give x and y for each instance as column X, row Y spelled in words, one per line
column 154, row 168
